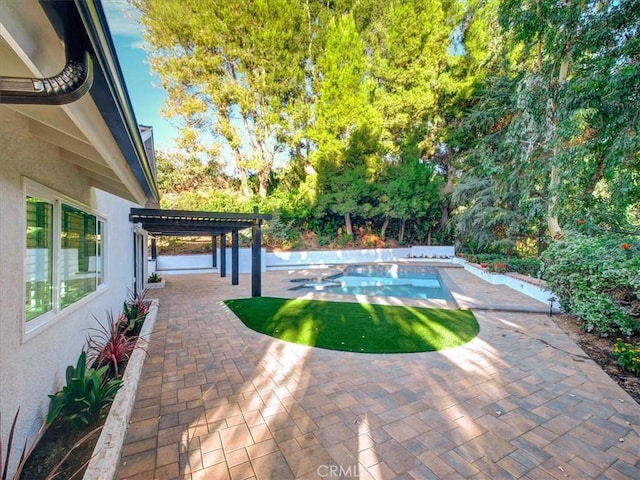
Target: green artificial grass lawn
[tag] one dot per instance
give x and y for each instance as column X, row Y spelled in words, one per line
column 356, row 327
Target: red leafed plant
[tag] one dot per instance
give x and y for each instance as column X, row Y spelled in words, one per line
column 110, row 345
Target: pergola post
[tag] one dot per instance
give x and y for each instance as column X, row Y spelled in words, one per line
column 154, row 249
column 234, row 257
column 256, row 264
column 223, row 255
column 214, row 253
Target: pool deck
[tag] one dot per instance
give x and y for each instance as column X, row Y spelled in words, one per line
column 219, row 401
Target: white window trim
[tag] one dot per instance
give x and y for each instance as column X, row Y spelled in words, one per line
column 42, row 322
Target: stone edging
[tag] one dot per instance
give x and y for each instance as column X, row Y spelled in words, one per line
column 106, row 455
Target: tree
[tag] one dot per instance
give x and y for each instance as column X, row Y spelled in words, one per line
column 585, row 76
column 346, row 128
column 408, row 191
column 427, row 58
column 552, row 136
column 178, row 173
column 231, row 69
column 412, row 64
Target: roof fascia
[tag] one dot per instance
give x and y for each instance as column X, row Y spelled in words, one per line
column 111, row 96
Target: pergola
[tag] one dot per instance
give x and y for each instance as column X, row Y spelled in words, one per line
column 182, row 223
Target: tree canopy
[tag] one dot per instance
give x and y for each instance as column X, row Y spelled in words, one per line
column 497, row 123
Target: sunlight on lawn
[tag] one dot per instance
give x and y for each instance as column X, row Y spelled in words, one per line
column 357, row 327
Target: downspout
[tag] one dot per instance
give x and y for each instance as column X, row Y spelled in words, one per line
column 69, row 85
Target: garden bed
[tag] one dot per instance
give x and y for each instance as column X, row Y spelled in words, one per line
column 599, row 350
column 99, row 455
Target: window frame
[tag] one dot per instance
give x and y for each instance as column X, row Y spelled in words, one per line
column 39, row 323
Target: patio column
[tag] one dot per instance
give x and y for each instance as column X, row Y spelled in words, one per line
column 214, row 258
column 154, row 249
column 256, row 264
column 223, row 255
column 234, row 257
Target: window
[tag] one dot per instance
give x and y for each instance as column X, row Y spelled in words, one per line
column 64, row 256
column 79, row 260
column 39, row 262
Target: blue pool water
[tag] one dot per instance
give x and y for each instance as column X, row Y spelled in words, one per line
column 386, row 281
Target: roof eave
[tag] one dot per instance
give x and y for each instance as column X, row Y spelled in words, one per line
column 113, row 99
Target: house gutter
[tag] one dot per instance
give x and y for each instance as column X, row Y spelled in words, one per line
column 73, row 81
column 91, row 60
column 69, row 85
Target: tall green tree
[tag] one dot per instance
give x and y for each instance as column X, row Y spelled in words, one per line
column 427, row 57
column 346, row 128
column 552, row 136
column 231, row 69
column 408, row 191
column 578, row 101
column 179, row 173
column 412, row 60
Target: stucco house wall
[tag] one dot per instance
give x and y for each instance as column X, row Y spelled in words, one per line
column 78, row 151
column 33, row 364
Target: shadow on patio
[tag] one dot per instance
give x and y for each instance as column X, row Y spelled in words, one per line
column 218, row 400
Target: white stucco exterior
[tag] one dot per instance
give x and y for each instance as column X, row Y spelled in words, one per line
column 76, row 145
column 33, row 364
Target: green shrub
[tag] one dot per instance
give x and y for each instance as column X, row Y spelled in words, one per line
column 525, row 266
column 628, row 356
column 135, row 310
column 598, row 280
column 155, row 278
column 485, row 258
column 87, row 391
column 279, row 233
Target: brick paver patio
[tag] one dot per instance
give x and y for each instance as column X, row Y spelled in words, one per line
column 219, row 401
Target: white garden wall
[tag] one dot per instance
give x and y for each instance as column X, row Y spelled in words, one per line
column 534, row 291
column 200, row 263
column 173, row 264
column 324, row 258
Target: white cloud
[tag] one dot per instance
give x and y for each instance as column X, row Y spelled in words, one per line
column 121, row 18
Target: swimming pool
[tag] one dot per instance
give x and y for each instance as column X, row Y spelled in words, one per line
column 408, row 281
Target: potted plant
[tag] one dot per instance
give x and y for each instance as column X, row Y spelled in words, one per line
column 154, row 278
column 155, row 281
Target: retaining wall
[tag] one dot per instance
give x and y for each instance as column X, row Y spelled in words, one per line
column 306, row 259
column 516, row 282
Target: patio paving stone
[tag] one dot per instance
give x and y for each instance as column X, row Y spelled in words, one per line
column 521, row 400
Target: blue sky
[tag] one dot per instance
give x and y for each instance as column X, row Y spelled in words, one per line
column 147, row 96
